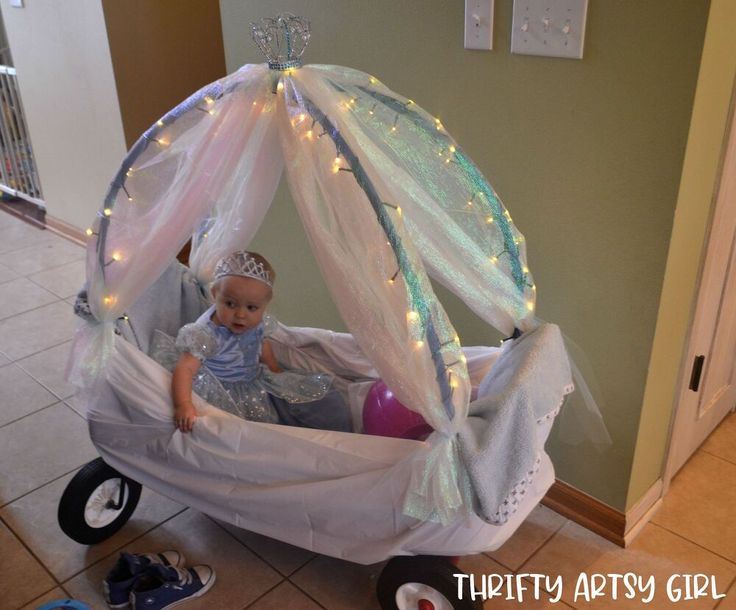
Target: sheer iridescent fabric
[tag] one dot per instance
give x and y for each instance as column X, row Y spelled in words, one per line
column 387, row 199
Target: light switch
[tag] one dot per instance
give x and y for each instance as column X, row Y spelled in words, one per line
column 554, row 28
column 16, row 3
column 479, row 24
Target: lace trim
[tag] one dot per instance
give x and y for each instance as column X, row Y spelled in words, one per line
column 516, row 495
column 511, row 502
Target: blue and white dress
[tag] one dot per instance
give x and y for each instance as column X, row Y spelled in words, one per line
column 232, row 376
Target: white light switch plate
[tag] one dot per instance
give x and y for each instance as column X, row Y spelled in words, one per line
column 479, row 24
column 554, row 28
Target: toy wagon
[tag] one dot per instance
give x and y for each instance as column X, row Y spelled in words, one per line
column 387, row 199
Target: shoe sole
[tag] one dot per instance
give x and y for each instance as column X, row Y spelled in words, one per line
column 205, row 587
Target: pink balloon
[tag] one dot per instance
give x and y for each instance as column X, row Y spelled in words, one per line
column 384, row 415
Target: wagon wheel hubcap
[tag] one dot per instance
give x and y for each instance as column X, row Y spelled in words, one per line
column 418, row 596
column 99, row 510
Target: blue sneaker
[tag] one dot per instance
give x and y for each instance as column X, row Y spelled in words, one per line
column 162, row 587
column 119, row 581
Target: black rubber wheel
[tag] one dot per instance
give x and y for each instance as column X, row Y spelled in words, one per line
column 405, row 581
column 96, row 503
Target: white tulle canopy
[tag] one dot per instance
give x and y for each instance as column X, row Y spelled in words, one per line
column 387, row 199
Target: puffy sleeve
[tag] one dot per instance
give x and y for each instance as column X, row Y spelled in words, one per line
column 270, row 325
column 198, row 340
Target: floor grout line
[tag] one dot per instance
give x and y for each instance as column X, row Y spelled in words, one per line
column 53, row 404
column 37, row 307
column 234, row 537
column 38, row 559
column 28, row 274
column 728, row 588
column 534, row 552
column 292, row 583
column 260, row 597
column 715, row 455
column 694, row 542
column 6, row 504
column 14, row 360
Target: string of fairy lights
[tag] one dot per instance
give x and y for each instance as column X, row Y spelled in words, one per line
column 391, row 113
column 419, row 317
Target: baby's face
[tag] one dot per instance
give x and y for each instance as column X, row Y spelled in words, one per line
column 240, row 302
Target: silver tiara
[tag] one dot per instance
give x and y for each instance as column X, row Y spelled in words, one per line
column 282, row 40
column 243, row 264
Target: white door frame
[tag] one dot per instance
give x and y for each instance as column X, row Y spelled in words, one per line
column 676, row 424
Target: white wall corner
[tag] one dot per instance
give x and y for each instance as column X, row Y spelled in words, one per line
column 65, row 74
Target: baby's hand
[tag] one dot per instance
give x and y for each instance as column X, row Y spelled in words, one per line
column 185, row 416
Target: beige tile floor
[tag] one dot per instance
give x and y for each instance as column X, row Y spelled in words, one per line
column 43, row 441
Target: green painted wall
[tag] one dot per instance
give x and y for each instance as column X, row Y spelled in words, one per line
column 586, row 154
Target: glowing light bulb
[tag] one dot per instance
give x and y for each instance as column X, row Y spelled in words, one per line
column 398, row 211
column 447, row 160
column 160, row 123
column 393, row 128
column 310, row 134
column 109, row 300
column 117, row 257
column 335, row 169
column 470, row 202
column 526, row 269
column 205, row 235
column 390, row 280
column 89, row 232
column 129, row 173
column 280, row 86
column 489, row 220
column 209, row 100
column 457, row 339
column 211, row 112
column 419, row 344
column 463, row 359
column 372, row 80
column 494, row 260
column 130, row 198
column 412, row 316
column 530, row 305
column 410, row 102
column 452, row 149
column 107, row 212
column 453, row 383
column 534, row 287
column 302, row 116
column 255, row 103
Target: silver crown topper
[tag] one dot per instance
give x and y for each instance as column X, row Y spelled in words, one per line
column 243, row 264
column 282, row 40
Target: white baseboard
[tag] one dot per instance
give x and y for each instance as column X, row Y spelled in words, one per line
column 643, row 511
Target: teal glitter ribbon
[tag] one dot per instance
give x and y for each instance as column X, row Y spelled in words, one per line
column 473, row 175
column 419, row 302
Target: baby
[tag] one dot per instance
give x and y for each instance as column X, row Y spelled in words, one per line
column 225, row 356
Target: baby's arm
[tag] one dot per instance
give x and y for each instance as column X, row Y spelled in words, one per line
column 181, row 390
column 268, row 358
